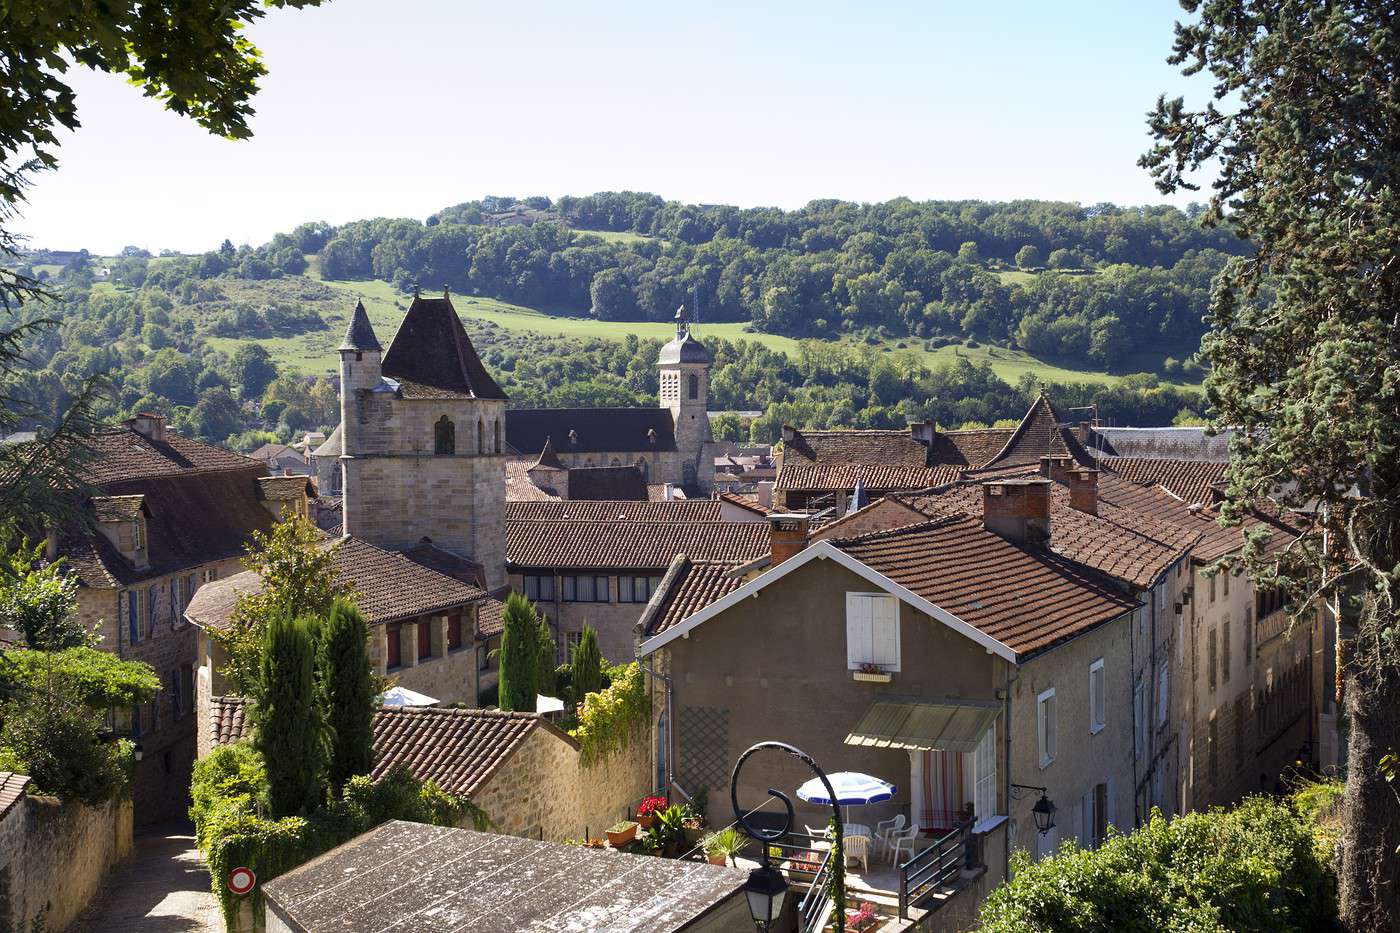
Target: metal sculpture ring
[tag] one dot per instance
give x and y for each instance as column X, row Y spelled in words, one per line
column 742, row 817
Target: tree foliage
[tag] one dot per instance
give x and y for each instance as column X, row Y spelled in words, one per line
column 1305, row 341
column 547, row 683
column 1251, row 868
column 98, row 679
column 586, row 665
column 348, row 693
column 39, row 601
column 520, row 655
column 298, row 579
column 289, row 725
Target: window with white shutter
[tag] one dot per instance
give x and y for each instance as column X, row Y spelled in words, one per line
column 872, row 631
column 1045, row 725
column 1096, row 701
column 984, row 800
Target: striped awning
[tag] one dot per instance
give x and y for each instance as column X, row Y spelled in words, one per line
column 947, row 725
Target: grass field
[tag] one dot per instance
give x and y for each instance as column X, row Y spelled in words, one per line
column 314, row 354
column 616, row 236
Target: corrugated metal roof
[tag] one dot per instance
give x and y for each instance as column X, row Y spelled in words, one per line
column 947, row 726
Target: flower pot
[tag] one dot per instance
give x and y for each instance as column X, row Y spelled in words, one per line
column 646, row 822
column 717, row 859
column 693, row 836
column 623, row 835
column 883, row 677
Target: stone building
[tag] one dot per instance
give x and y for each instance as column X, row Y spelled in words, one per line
column 431, row 627
column 668, row 444
column 171, row 515
column 422, row 438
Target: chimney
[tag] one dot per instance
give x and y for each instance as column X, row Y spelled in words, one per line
column 149, row 426
column 923, row 431
column 1084, row 490
column 1057, row 468
column 1018, row 510
column 668, row 492
column 1084, row 431
column 789, row 433
column 787, row 535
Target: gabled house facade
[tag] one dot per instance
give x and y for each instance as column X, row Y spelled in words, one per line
column 954, row 657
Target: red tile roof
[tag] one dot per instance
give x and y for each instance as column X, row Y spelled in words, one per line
column 831, row 477
column 12, row 788
column 613, row 510
column 1190, row 480
column 1039, row 435
column 744, row 502
column 460, row 749
column 123, row 455
column 1027, row 599
column 611, row 545
column 687, row 588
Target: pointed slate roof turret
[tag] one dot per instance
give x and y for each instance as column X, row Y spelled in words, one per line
column 684, row 348
column 431, row 355
column 359, row 335
column 1040, row 435
column 549, row 460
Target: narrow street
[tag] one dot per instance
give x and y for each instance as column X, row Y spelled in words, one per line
column 162, row 887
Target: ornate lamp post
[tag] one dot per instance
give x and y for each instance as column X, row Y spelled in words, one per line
column 1043, row 811
column 766, row 888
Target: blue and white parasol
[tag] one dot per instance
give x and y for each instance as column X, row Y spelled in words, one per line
column 852, row 788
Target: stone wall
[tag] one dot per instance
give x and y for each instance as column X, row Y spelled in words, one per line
column 53, row 857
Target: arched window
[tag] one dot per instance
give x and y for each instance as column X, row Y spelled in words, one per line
column 444, row 436
column 694, row 386
column 480, row 436
column 497, row 425
column 642, row 465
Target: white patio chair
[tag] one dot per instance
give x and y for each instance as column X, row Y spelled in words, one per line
column 821, row 837
column 857, row 851
column 883, row 829
column 902, row 841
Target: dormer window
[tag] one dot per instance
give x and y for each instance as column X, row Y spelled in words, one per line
column 138, row 533
column 444, row 436
column 573, row 437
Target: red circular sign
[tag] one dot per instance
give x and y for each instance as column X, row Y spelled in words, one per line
column 241, row 880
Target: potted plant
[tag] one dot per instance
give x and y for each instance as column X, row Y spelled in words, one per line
column 863, row 919
column 596, row 844
column 669, row 829
column 621, row 833
column 646, row 813
column 871, row 674
column 722, row 846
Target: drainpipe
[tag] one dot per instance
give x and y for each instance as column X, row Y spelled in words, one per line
column 1132, row 667
column 670, row 734
column 1006, row 743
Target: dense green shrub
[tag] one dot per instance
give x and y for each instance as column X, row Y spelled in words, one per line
column 586, row 675
column 99, row 679
column 289, row 728
column 53, row 739
column 548, row 684
column 607, row 719
column 520, row 654
column 1250, row 868
column 349, row 694
column 39, row 600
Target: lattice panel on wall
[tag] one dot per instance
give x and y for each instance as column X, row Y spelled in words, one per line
column 704, row 748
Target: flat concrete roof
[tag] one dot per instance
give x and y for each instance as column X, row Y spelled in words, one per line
column 417, row 878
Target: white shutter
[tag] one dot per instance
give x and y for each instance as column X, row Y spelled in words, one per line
column 885, row 632
column 859, row 634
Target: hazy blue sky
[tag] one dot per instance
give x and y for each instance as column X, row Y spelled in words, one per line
column 404, row 107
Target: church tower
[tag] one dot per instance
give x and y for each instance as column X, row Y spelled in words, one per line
column 684, row 366
column 360, row 355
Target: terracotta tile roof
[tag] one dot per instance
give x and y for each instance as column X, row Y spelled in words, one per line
column 1039, row 435
column 490, row 619
column 675, row 510
column 1027, row 599
column 1118, row 542
column 519, row 488
column 686, row 588
column 123, row 455
column 117, row 508
column 193, row 518
column 595, row 430
column 12, row 788
column 744, row 502
column 427, row 554
column 832, row 477
column 975, row 447
column 387, row 587
column 431, row 355
column 284, row 488
column 886, row 447
column 1189, row 480
column 583, row 545
column 460, row 749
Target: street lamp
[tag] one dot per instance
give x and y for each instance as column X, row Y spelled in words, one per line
column 766, row 888
column 1043, row 811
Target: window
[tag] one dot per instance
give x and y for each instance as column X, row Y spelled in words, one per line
column 1096, row 710
column 1225, row 651
column 187, row 686
column 189, row 592
column 1210, row 659
column 1211, row 742
column 539, row 587
column 585, row 589
column 1239, row 732
column 425, row 638
column 176, row 696
column 135, row 720
column 693, row 387
column 480, row 436
column 151, row 594
column 984, row 798
column 636, row 589
column 133, row 616
column 571, row 641
column 497, row 426
column 1045, row 725
column 1163, row 695
column 1139, row 718
column 1225, row 581
column 444, row 436
column 454, row 632
column 1248, row 636
column 1100, row 822
column 392, row 658
column 483, row 658
column 138, row 537
column 872, row 631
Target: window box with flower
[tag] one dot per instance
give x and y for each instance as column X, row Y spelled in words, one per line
column 871, row 674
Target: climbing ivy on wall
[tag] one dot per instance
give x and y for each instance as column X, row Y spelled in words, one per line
column 607, row 719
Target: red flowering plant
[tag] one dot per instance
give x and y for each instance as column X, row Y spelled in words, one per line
column 863, row 919
column 651, row 806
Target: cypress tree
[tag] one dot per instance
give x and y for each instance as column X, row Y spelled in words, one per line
column 548, row 684
column 587, row 664
column 519, row 655
column 348, row 694
column 290, row 731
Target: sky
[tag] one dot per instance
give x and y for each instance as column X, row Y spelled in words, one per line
column 401, row 108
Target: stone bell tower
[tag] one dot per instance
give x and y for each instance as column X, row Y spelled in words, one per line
column 684, row 366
